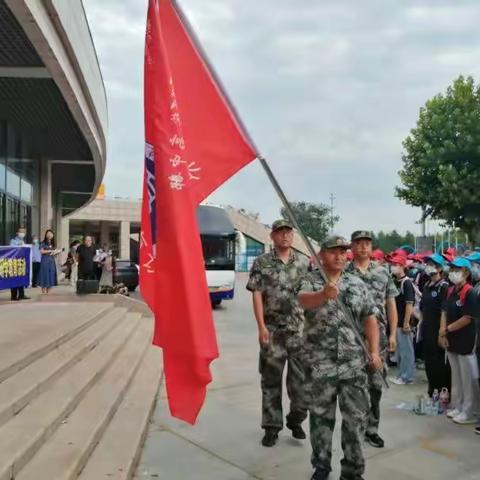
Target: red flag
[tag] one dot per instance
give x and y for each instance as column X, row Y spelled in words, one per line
column 194, row 143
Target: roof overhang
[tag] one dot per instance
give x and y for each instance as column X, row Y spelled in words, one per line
column 51, row 87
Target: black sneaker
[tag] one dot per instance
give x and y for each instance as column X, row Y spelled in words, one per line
column 270, row 438
column 477, row 430
column 374, row 440
column 297, row 432
column 320, row 474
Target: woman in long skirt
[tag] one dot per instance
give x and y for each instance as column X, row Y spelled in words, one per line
column 48, row 267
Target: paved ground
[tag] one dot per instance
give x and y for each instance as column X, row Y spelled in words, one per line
column 225, row 444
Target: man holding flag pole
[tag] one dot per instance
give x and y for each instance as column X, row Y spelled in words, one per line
column 195, row 141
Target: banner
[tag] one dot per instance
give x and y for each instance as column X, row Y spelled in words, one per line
column 193, row 144
column 15, row 267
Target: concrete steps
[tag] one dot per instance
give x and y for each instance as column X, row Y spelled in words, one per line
column 80, row 395
column 117, row 453
column 17, row 390
column 24, row 338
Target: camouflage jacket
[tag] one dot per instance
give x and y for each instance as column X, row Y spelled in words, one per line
column 277, row 281
column 380, row 284
column 331, row 349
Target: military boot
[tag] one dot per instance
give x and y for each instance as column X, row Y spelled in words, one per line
column 297, row 432
column 320, row 474
column 270, row 438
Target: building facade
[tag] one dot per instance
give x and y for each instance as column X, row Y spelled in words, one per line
column 53, row 115
column 116, row 223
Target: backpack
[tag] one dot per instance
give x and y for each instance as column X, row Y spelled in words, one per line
column 418, row 298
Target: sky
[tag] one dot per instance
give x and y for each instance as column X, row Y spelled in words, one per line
column 328, row 90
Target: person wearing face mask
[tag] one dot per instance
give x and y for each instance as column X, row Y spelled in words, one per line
column 434, row 294
column 36, row 260
column 457, row 336
column 404, row 301
column 18, row 293
column 421, row 278
column 475, row 259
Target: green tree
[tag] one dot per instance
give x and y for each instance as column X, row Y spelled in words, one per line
column 389, row 241
column 314, row 219
column 441, row 159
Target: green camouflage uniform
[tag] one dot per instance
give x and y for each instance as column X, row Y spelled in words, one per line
column 284, row 319
column 335, row 368
column 381, row 286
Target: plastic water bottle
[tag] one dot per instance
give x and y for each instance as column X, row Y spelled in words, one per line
column 444, row 400
column 429, row 406
column 435, row 402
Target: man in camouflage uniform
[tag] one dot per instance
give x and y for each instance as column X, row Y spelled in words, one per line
column 273, row 278
column 383, row 290
column 335, row 361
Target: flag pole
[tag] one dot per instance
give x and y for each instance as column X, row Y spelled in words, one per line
column 288, row 208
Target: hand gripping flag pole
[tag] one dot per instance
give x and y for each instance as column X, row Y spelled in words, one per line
column 273, row 181
column 314, row 254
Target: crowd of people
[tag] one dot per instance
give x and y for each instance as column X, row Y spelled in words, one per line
column 443, row 291
column 341, row 319
column 84, row 261
column 44, row 266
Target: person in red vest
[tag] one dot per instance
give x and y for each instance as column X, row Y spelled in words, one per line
column 457, row 336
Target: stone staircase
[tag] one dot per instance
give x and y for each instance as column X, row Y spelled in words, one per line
column 78, row 383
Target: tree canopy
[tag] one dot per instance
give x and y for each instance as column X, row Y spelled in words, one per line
column 441, row 171
column 313, row 218
column 389, row 241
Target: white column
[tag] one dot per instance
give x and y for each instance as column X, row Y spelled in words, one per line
column 104, row 233
column 65, row 234
column 125, row 240
column 45, row 196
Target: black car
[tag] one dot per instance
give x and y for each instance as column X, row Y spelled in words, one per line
column 126, row 272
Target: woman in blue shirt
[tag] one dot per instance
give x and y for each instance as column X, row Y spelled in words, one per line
column 48, row 268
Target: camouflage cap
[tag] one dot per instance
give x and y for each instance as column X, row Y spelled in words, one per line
column 335, row 242
column 282, row 223
column 361, row 234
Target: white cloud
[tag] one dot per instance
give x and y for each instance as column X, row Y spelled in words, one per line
column 328, row 90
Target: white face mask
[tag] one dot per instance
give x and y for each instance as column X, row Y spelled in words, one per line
column 455, row 277
column 21, row 235
column 396, row 269
column 430, row 270
column 476, row 272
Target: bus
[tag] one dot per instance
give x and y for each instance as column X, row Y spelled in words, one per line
column 218, row 243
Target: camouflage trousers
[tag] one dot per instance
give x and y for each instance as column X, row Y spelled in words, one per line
column 284, row 347
column 375, row 385
column 352, row 395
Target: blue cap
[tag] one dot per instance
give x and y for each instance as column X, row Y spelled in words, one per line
column 474, row 257
column 437, row 258
column 461, row 262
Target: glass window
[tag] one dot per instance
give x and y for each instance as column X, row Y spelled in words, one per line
column 12, row 218
column 13, row 183
column 2, row 175
column 3, row 240
column 218, row 252
column 25, row 217
column 26, row 191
